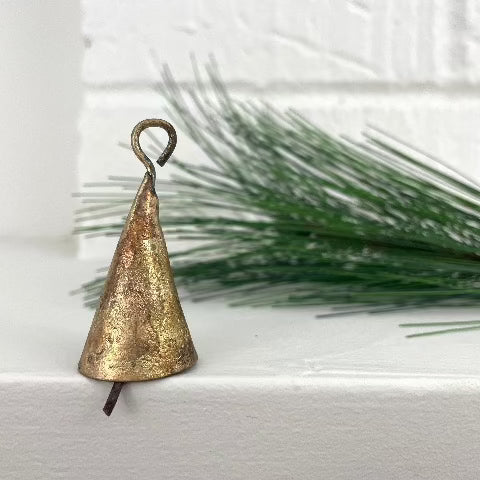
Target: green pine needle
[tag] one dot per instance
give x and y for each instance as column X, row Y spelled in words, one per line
column 285, row 214
column 461, row 326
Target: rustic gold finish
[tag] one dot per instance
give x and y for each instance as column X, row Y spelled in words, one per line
column 139, row 331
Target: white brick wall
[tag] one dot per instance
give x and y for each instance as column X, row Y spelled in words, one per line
column 409, row 66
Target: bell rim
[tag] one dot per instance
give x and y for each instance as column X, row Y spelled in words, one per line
column 137, row 378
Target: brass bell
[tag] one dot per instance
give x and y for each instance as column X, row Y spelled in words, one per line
column 139, row 331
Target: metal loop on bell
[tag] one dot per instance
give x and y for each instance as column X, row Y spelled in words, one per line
column 141, row 155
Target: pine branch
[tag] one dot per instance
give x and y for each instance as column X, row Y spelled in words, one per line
column 285, row 214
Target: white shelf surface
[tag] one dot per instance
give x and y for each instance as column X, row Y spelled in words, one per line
column 276, row 394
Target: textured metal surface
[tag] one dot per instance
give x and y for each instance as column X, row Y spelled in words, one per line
column 139, row 331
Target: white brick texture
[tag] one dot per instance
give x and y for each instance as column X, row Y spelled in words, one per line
column 411, row 67
column 276, row 41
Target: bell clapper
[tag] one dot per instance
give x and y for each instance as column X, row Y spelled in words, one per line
column 113, row 397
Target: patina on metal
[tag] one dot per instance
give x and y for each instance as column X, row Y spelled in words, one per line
column 139, row 330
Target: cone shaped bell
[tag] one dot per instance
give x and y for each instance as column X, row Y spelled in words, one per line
column 139, row 331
